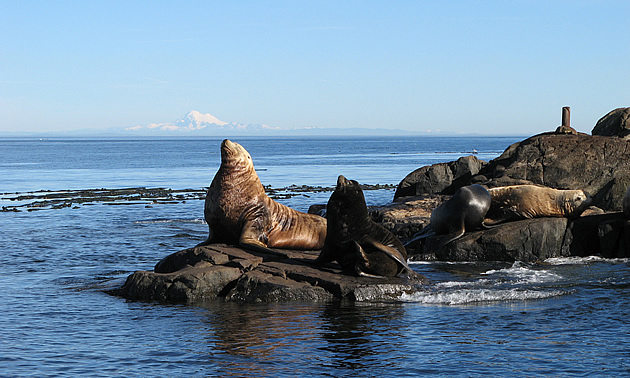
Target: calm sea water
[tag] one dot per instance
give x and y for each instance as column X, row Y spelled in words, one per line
column 562, row 317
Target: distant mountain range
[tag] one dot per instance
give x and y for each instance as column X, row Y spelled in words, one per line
column 195, row 123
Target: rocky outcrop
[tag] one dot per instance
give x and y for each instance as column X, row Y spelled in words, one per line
column 443, row 178
column 596, row 164
column 532, row 240
column 233, row 274
column 615, row 123
column 599, row 165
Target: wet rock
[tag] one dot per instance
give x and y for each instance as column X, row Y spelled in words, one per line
column 189, row 284
column 222, row 271
column 257, row 286
column 615, row 123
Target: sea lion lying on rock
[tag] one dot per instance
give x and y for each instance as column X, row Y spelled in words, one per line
column 464, row 211
column 357, row 243
column 516, row 202
column 238, row 211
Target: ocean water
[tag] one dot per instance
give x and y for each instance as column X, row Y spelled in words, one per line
column 560, row 317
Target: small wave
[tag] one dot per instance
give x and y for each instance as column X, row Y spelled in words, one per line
column 524, row 274
column 574, row 260
column 470, row 296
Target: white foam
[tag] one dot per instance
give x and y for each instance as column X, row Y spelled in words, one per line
column 469, row 296
column 522, row 274
column 574, row 260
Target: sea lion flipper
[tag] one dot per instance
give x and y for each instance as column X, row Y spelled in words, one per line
column 391, row 252
column 424, row 233
column 362, row 261
column 453, row 236
column 325, row 256
column 252, row 238
column 208, row 239
column 489, row 226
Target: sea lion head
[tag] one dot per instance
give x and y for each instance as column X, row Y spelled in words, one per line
column 235, row 155
column 347, row 198
column 575, row 202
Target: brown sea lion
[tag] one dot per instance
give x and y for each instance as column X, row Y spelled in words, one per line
column 357, row 243
column 238, row 210
column 464, row 211
column 517, row 202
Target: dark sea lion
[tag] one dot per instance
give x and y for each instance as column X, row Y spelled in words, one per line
column 464, row 211
column 238, row 210
column 516, row 202
column 357, row 243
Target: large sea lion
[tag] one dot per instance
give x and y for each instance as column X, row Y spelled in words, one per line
column 516, row 202
column 238, row 210
column 464, row 211
column 357, row 243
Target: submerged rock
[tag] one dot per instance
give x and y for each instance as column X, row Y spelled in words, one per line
column 221, row 271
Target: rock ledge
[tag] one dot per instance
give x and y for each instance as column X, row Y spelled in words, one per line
column 222, row 271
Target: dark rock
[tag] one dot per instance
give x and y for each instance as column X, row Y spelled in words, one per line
column 221, row 271
column 527, row 240
column 256, row 286
column 189, row 257
column 606, row 235
column 532, row 240
column 598, row 165
column 443, row 178
column 189, row 284
column 615, row 123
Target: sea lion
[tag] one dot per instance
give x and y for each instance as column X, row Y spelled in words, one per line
column 516, row 202
column 357, row 243
column 238, row 210
column 464, row 211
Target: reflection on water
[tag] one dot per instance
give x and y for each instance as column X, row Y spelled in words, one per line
column 281, row 338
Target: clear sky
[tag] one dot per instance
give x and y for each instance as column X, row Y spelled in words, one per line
column 492, row 67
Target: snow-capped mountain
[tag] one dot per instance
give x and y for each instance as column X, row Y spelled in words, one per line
column 205, row 124
column 196, row 121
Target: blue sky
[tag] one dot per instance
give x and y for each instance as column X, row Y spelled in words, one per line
column 491, row 67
